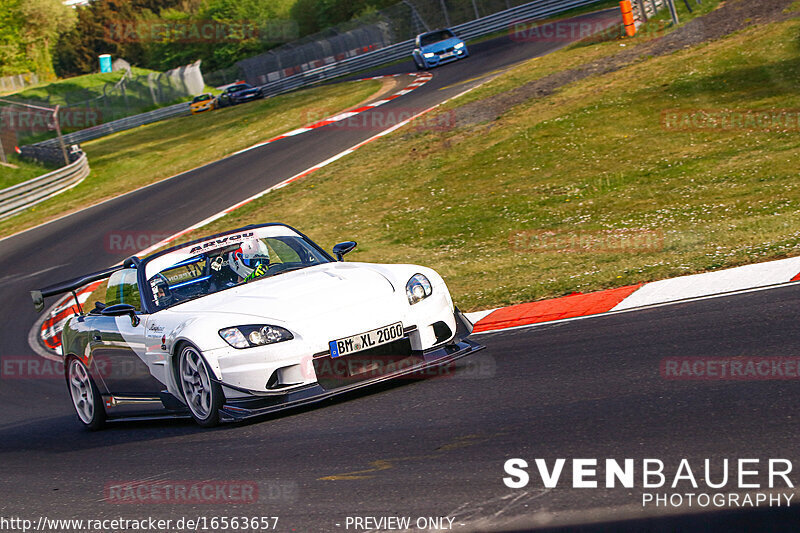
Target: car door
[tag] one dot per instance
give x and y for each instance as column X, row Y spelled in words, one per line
column 119, row 343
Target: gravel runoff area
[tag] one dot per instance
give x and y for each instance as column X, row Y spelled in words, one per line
column 731, row 16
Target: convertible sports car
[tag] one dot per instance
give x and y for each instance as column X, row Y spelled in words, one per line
column 238, row 94
column 202, row 102
column 437, row 48
column 247, row 322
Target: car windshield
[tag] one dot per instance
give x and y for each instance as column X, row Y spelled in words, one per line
column 239, row 87
column 228, row 261
column 435, row 37
column 201, row 98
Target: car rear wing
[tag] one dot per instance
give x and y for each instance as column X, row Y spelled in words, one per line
column 74, row 284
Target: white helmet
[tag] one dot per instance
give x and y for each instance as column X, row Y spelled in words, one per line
column 245, row 259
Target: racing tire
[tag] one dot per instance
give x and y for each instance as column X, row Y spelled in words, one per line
column 202, row 395
column 85, row 397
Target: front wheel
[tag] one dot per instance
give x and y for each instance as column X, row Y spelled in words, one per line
column 85, row 397
column 202, row 395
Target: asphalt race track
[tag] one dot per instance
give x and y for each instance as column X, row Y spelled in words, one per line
column 588, row 388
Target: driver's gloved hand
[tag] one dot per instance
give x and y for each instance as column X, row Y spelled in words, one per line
column 259, row 271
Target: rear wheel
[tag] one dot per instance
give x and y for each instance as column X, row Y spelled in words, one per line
column 202, row 395
column 85, row 397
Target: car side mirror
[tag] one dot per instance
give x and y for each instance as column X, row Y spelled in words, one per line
column 122, row 310
column 38, row 301
column 342, row 248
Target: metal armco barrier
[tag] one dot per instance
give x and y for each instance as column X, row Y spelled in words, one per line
column 24, row 195
column 469, row 30
column 121, row 125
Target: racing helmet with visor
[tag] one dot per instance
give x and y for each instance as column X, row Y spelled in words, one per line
column 253, row 254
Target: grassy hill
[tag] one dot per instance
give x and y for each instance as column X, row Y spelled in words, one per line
column 73, row 89
column 543, row 189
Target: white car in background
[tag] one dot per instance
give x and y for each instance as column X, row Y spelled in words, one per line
column 248, row 322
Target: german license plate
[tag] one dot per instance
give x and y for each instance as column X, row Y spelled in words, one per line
column 365, row 341
column 448, row 54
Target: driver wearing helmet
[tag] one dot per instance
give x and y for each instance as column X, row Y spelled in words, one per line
column 250, row 260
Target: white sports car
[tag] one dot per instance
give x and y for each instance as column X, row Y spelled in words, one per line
column 249, row 322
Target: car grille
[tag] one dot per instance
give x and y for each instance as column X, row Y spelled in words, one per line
column 446, row 51
column 334, row 373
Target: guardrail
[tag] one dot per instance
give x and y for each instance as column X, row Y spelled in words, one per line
column 122, row 124
column 24, row 195
column 469, row 30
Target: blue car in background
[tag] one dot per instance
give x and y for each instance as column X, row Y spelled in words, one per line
column 438, row 47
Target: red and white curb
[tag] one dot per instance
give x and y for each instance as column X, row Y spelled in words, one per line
column 578, row 305
column 420, row 79
column 674, row 290
column 57, row 315
column 709, row 284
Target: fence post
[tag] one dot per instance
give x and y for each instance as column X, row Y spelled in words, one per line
column 642, row 10
column 446, row 14
column 672, row 11
column 60, row 138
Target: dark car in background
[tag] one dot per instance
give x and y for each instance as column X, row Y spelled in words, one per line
column 238, row 93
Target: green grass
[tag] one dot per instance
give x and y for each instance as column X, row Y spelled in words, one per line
column 683, row 14
column 574, row 12
column 592, row 49
column 130, row 159
column 25, row 170
column 80, row 89
column 90, row 85
column 593, row 157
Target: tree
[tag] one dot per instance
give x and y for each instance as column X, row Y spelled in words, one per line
column 45, row 20
column 96, row 33
column 29, row 31
column 315, row 15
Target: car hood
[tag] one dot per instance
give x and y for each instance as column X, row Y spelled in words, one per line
column 441, row 45
column 298, row 295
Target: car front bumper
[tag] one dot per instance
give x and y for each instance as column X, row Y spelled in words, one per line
column 241, row 98
column 337, row 376
column 437, row 60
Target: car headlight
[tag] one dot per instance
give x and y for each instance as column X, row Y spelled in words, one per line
column 255, row 335
column 429, row 55
column 418, row 288
column 459, row 46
